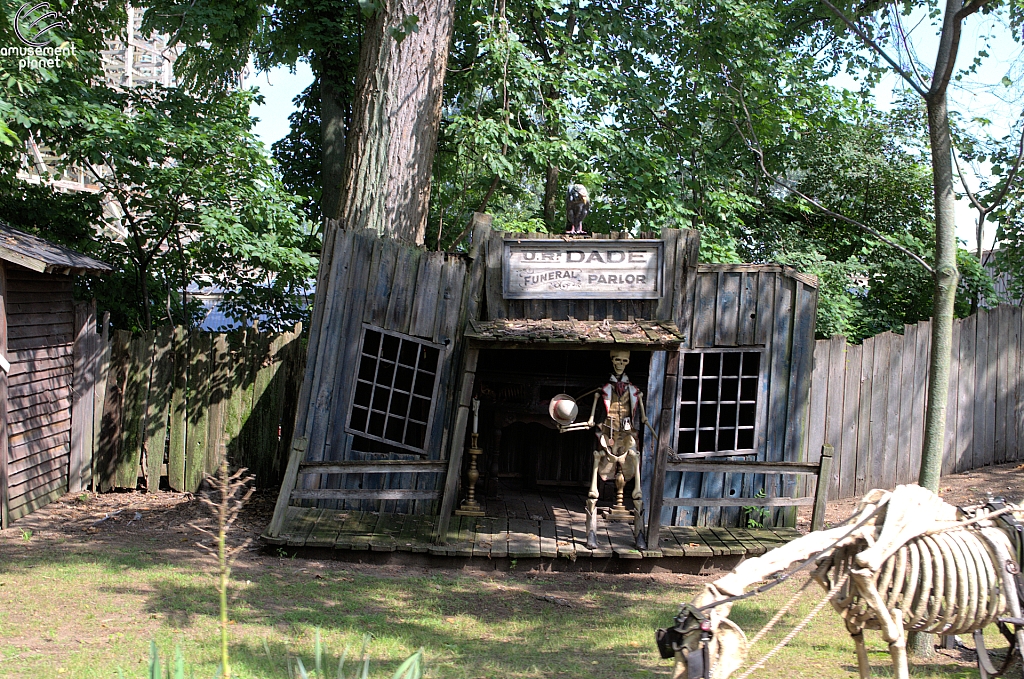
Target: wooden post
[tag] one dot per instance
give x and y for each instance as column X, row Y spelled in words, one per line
column 821, row 493
column 83, row 379
column 99, row 397
column 451, row 485
column 670, row 393
column 298, row 452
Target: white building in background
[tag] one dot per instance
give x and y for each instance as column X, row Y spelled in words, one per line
column 131, row 60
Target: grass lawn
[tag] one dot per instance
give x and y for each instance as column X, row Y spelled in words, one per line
column 82, row 606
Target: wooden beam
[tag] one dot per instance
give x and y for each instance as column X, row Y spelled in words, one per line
column 745, row 467
column 291, row 474
column 821, row 492
column 451, row 484
column 738, row 501
column 363, row 494
column 379, row 467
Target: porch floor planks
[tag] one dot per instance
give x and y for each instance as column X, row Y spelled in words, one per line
column 515, row 538
column 328, row 527
column 691, row 542
column 548, row 543
column 621, row 535
column 523, row 539
column 499, row 538
column 416, row 534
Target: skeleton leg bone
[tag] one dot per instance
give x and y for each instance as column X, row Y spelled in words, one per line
column 863, row 666
column 592, row 496
column 632, row 469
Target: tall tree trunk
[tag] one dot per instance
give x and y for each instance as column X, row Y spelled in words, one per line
column 395, row 115
column 333, row 120
column 551, row 201
column 946, row 277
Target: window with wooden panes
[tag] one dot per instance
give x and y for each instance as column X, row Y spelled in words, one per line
column 394, row 391
column 718, row 404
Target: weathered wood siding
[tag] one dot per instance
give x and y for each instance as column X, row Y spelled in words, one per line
column 868, row 401
column 40, row 336
column 761, row 307
column 394, row 287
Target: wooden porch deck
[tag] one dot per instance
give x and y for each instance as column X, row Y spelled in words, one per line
column 508, row 537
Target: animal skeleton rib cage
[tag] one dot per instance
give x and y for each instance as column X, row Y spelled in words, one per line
column 910, row 562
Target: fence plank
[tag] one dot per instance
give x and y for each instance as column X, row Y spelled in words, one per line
column 965, row 394
column 197, row 409
column 82, row 397
column 892, row 411
column 834, row 411
column 867, row 362
column 949, row 445
column 1013, row 384
column 1002, row 327
column 110, row 433
column 846, row 474
column 879, row 404
column 819, row 401
column 161, row 388
column 134, row 409
column 219, row 393
column 178, row 421
column 982, row 395
column 904, row 468
column 921, row 360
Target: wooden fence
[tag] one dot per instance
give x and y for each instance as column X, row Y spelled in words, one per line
column 868, row 401
column 171, row 403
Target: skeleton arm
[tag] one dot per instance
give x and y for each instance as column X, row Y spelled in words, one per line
column 580, row 426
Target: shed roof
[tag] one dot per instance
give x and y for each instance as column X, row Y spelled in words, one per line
column 38, row 254
column 565, row 334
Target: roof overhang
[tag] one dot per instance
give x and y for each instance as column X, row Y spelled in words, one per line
column 39, row 254
column 573, row 334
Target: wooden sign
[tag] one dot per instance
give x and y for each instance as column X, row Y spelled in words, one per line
column 583, row 269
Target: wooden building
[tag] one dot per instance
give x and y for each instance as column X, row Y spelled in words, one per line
column 41, row 447
column 406, row 340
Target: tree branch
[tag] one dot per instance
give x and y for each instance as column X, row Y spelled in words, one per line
column 877, row 49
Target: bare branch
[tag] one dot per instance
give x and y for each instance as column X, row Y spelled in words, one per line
column 906, row 45
column 877, row 49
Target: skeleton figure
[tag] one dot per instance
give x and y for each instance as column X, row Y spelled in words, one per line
column 616, row 455
column 909, row 565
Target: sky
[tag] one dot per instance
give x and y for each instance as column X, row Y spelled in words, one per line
column 988, row 97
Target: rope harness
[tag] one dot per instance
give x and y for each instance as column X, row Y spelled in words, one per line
column 691, row 618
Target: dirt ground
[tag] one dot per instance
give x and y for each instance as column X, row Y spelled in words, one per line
column 87, row 520
column 87, row 523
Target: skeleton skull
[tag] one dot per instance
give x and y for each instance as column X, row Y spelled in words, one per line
column 728, row 645
column 620, row 359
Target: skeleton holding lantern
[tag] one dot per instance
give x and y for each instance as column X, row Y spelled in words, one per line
column 617, row 454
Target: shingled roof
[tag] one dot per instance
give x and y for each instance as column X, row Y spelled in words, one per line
column 564, row 334
column 38, row 254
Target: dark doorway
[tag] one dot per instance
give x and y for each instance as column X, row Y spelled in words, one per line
column 522, row 447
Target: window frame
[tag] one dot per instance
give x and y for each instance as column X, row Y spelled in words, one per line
column 762, row 353
column 403, row 337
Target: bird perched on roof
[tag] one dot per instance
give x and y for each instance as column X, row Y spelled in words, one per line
column 577, row 207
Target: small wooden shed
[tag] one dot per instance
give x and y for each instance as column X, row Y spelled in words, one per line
column 406, row 340
column 38, row 329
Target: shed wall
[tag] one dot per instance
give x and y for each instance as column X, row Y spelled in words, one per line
column 768, row 308
column 40, row 336
column 397, row 288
